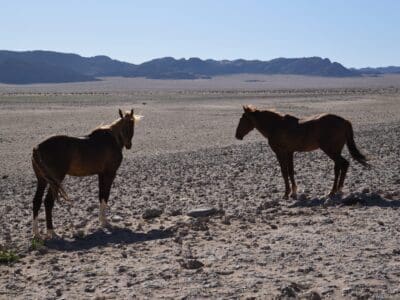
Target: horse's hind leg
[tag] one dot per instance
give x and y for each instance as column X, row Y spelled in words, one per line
column 283, row 162
column 49, row 204
column 105, row 182
column 293, row 193
column 337, row 158
column 344, row 167
column 37, row 202
column 335, row 181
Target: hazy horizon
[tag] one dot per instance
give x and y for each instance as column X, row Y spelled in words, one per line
column 356, row 34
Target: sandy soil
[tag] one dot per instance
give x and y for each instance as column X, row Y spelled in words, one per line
column 185, row 156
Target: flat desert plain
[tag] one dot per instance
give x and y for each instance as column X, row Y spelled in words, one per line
column 254, row 245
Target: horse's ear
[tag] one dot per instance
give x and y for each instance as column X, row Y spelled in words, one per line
column 132, row 113
column 249, row 108
column 120, row 113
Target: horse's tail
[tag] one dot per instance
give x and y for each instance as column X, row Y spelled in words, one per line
column 351, row 145
column 44, row 172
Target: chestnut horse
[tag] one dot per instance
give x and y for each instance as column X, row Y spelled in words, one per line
column 99, row 153
column 287, row 134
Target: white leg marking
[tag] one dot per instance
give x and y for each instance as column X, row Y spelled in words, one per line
column 35, row 228
column 102, row 213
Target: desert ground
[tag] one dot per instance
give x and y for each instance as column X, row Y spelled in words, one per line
column 254, row 244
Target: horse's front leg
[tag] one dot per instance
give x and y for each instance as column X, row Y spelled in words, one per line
column 105, row 182
column 283, row 162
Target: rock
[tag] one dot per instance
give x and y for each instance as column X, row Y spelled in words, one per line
column 175, row 212
column 199, row 224
column 191, row 264
column 79, row 234
column 302, row 197
column 122, row 269
column 90, row 289
column 311, row 296
column 224, row 272
column 202, row 212
column 396, row 251
column 151, row 213
column 365, row 190
column 116, row 218
column 273, row 226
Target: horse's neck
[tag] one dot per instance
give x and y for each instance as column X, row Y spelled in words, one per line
column 115, row 129
column 267, row 122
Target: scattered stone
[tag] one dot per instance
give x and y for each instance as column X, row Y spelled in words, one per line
column 122, row 269
column 90, row 289
column 365, row 190
column 175, row 212
column 58, row 292
column 311, row 296
column 151, row 213
column 202, row 212
column 224, row 272
column 116, row 218
column 302, row 197
column 199, row 224
column 191, row 264
column 79, row 234
column 273, row 226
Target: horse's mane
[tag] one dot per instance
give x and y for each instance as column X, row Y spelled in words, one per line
column 273, row 111
column 103, row 127
column 108, row 127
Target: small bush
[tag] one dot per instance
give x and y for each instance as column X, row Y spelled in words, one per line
column 8, row 257
column 37, row 244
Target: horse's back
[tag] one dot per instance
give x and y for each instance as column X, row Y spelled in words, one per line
column 81, row 156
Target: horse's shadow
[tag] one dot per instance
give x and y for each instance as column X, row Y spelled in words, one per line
column 371, row 199
column 103, row 237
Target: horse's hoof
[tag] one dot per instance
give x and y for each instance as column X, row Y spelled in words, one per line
column 51, row 235
column 335, row 196
column 285, row 197
column 331, row 194
column 37, row 237
column 106, row 225
column 293, row 196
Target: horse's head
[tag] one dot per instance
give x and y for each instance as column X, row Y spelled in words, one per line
column 127, row 128
column 246, row 122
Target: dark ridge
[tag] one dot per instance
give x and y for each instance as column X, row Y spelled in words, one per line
column 15, row 71
column 49, row 66
column 380, row 70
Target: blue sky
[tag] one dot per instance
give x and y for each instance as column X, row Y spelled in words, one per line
column 355, row 33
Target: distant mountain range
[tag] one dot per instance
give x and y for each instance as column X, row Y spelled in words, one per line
column 47, row 66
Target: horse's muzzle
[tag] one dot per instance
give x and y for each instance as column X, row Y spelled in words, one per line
column 239, row 137
column 129, row 146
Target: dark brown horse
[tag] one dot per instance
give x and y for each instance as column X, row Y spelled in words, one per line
column 99, row 153
column 287, row 134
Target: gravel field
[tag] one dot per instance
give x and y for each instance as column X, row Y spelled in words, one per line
column 251, row 245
